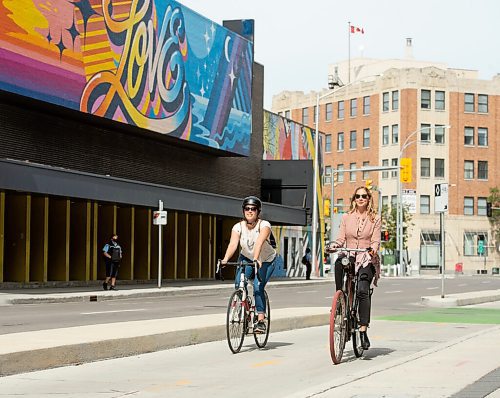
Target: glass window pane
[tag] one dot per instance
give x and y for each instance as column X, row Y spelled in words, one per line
column 425, row 132
column 425, row 167
column 385, row 135
column 353, row 142
column 341, row 110
column 425, row 99
column 340, row 141
column 385, row 102
column 329, row 110
column 440, row 105
column 425, row 203
column 439, row 134
column 481, row 206
column 482, row 136
column 366, row 138
column 395, row 100
column 482, row 103
column 354, row 107
column 439, row 168
column 482, row 170
column 366, row 105
column 468, row 169
column 468, row 206
column 469, row 136
column 395, row 133
column 469, row 102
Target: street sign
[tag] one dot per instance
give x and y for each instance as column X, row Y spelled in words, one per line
column 409, row 200
column 440, row 198
column 160, row 217
column 405, row 169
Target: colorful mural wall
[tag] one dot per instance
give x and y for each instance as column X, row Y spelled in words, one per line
column 154, row 64
column 287, row 140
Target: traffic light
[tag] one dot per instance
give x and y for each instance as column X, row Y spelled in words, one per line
column 368, row 184
column 326, row 208
column 384, row 236
column 489, row 209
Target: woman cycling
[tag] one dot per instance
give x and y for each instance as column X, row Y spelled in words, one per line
column 252, row 233
column 360, row 228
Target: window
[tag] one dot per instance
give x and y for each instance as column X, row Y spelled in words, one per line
column 328, row 143
column 425, row 167
column 340, row 174
column 439, row 134
column 469, row 136
column 439, row 104
column 425, row 204
column 280, row 113
column 329, row 110
column 425, row 132
column 481, row 206
column 394, row 162
column 385, row 102
column 395, row 133
column 468, row 206
column 341, row 110
column 468, row 169
column 340, row 141
column 469, row 102
column 366, row 105
column 395, row 100
column 315, row 109
column 328, row 175
column 385, row 201
column 439, row 168
column 425, row 99
column 385, row 163
column 353, row 141
column 366, row 138
column 482, row 103
column 354, row 107
column 471, row 243
column 482, row 170
column 394, row 201
column 366, row 174
column 352, row 174
column 482, row 136
column 287, row 114
column 385, row 135
column 305, row 116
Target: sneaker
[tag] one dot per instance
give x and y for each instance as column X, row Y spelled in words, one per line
column 365, row 342
column 105, row 286
column 260, row 327
column 113, row 288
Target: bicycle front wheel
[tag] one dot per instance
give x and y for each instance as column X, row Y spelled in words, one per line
column 235, row 322
column 261, row 338
column 338, row 326
column 356, row 339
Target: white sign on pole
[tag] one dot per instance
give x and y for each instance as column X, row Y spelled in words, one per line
column 160, row 217
column 440, row 198
column 409, row 200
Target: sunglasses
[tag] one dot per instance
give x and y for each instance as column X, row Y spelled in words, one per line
column 364, row 196
column 248, row 208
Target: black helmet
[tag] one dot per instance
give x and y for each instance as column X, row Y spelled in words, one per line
column 252, row 200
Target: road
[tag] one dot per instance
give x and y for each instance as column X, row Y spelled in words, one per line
column 393, row 296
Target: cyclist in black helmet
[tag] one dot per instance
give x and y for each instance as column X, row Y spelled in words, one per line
column 253, row 236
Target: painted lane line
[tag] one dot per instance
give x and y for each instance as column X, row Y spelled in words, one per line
column 394, row 291
column 432, row 288
column 110, row 312
column 307, row 291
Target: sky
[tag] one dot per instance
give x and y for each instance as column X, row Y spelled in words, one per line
column 296, row 40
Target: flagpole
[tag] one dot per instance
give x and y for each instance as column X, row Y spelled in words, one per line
column 349, row 52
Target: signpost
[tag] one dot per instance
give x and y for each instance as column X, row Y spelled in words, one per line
column 159, row 218
column 440, row 206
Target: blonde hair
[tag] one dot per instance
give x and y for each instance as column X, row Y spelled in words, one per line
column 372, row 212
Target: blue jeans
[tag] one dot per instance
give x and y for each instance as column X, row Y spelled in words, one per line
column 265, row 273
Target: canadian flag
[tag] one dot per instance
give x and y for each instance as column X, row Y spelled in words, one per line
column 355, row 29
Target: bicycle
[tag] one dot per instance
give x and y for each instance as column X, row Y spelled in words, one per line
column 344, row 317
column 241, row 315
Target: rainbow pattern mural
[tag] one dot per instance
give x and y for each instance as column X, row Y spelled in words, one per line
column 153, row 64
column 287, row 140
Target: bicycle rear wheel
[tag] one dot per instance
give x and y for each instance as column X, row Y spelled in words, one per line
column 235, row 322
column 338, row 326
column 261, row 338
column 356, row 339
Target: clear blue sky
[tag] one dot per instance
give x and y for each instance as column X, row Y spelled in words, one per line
column 297, row 40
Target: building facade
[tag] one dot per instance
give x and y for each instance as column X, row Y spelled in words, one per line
column 446, row 121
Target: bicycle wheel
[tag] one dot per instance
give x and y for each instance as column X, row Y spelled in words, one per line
column 261, row 338
column 235, row 322
column 356, row 339
column 338, row 326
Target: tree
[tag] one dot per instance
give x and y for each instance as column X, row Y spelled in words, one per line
column 389, row 217
column 494, row 198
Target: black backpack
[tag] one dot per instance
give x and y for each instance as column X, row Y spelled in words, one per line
column 272, row 239
column 115, row 255
column 304, row 259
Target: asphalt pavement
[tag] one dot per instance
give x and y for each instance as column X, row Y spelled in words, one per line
column 44, row 349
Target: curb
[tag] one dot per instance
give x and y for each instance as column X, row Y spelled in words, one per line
column 131, row 340
column 458, row 300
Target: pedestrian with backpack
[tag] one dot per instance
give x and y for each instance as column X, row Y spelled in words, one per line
column 306, row 260
column 112, row 253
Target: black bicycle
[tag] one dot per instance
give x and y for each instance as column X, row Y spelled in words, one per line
column 241, row 315
column 344, row 316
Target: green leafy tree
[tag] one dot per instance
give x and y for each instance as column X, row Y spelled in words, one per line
column 494, row 198
column 389, row 218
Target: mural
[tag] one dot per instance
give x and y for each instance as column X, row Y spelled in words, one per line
column 154, row 64
column 288, row 140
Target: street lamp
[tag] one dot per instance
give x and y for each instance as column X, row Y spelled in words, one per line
column 331, row 85
column 399, row 205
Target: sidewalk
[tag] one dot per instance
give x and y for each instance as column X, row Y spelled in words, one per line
column 43, row 349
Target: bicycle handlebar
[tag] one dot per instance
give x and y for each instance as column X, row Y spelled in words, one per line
column 239, row 264
column 357, row 250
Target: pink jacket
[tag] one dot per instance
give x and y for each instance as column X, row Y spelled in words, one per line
column 360, row 233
